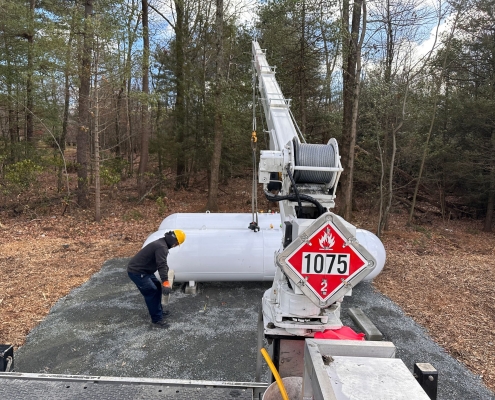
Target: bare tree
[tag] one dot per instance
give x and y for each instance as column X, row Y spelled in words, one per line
column 212, row 203
column 30, row 70
column 65, row 118
column 351, row 54
column 355, row 105
column 82, row 138
column 96, row 138
column 180, row 27
column 395, row 25
column 439, row 81
column 145, row 114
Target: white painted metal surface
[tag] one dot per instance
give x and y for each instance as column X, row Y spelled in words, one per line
column 276, row 107
column 220, row 247
column 224, row 255
column 207, row 221
column 365, row 378
column 353, row 370
column 374, row 245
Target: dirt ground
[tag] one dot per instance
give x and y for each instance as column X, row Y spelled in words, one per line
column 440, row 273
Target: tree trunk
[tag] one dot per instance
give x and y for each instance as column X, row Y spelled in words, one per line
column 65, row 118
column 348, row 133
column 128, row 145
column 180, row 112
column 145, row 117
column 10, row 106
column 387, row 154
column 329, row 68
column 82, row 138
column 490, row 205
column 96, row 142
column 212, row 203
column 355, row 105
column 29, row 80
column 118, row 117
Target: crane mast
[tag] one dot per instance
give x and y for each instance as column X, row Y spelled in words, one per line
column 319, row 260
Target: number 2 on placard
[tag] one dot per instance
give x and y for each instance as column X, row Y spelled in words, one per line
column 324, row 285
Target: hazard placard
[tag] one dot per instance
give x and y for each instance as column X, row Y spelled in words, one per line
column 327, row 259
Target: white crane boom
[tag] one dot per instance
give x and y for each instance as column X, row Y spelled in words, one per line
column 275, row 106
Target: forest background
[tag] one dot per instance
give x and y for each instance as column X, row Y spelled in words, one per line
column 160, row 90
column 106, row 102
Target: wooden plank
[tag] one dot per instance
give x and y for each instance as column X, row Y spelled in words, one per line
column 360, row 319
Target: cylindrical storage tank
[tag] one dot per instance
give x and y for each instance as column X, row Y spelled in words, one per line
column 224, row 255
column 218, row 221
column 374, row 245
column 220, row 247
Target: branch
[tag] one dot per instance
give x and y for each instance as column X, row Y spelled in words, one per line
column 161, row 15
column 408, row 204
column 148, row 192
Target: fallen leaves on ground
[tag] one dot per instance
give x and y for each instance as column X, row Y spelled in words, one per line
column 442, row 276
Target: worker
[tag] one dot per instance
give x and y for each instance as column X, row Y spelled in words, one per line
column 141, row 270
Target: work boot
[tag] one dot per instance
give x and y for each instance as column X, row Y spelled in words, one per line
column 160, row 324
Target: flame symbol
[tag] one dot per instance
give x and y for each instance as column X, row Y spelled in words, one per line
column 327, row 240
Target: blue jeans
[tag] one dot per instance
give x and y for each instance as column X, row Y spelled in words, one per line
column 151, row 289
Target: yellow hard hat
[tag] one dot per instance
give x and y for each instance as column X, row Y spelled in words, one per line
column 180, row 235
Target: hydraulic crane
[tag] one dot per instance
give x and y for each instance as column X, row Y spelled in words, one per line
column 320, row 259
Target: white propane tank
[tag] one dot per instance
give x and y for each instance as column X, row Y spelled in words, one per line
column 204, row 221
column 224, row 254
column 220, row 247
column 374, row 245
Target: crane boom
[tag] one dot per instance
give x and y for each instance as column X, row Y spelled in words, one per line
column 275, row 106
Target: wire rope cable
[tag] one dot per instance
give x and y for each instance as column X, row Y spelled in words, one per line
column 254, row 202
column 295, row 124
column 254, row 140
column 254, row 97
column 314, row 155
column 265, row 132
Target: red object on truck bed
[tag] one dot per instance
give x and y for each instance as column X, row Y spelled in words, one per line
column 344, row 333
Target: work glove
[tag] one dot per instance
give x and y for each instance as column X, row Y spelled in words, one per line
column 166, row 289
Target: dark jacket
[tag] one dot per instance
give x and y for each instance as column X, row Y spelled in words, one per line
column 151, row 258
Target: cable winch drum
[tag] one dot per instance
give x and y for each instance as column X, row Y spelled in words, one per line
column 314, row 155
